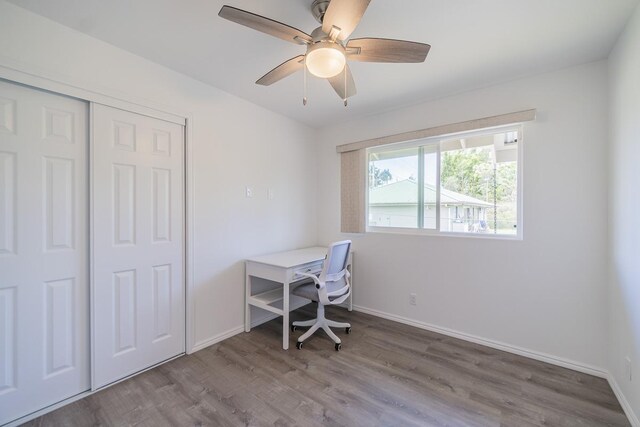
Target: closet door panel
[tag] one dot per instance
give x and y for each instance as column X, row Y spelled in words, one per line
column 138, row 233
column 7, row 202
column 44, row 300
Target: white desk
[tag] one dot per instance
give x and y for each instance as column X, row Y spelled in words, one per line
column 282, row 268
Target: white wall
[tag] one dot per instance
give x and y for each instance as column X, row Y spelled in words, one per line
column 545, row 293
column 235, row 143
column 624, row 219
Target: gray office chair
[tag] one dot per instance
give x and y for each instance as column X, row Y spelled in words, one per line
column 331, row 287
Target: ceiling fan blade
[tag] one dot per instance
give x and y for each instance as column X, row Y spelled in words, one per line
column 338, row 84
column 283, row 70
column 345, row 15
column 386, row 50
column 265, row 25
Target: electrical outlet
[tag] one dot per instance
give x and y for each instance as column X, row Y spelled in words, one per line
column 412, row 299
column 270, row 194
column 249, row 192
column 627, row 367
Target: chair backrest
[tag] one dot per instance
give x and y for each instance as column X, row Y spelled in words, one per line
column 336, row 261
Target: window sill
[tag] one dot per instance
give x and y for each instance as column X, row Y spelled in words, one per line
column 435, row 233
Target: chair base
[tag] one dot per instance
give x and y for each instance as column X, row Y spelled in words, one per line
column 321, row 322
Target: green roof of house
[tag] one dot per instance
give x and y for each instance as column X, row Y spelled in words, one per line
column 405, row 192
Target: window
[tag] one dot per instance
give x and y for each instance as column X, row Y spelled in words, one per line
column 467, row 183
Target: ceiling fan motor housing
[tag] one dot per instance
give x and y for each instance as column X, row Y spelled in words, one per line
column 318, row 35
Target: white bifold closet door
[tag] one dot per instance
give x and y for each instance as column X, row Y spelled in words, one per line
column 44, row 287
column 138, row 242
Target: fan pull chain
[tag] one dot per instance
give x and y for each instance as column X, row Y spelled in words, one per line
column 345, row 86
column 304, row 97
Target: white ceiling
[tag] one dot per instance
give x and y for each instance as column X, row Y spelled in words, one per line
column 474, row 43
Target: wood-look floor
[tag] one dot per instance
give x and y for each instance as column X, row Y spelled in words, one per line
column 387, row 374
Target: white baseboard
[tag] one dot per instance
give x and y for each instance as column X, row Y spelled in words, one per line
column 238, row 329
column 554, row 360
column 215, row 339
column 626, row 406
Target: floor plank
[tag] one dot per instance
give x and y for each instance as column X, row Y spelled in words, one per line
column 386, row 374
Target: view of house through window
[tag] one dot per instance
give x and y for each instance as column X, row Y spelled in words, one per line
column 393, row 188
column 466, row 184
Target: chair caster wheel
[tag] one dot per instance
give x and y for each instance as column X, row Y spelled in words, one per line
column 293, row 328
column 338, row 346
column 299, row 345
column 348, row 330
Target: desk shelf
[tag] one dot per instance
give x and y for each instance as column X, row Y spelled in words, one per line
column 264, row 300
column 268, row 297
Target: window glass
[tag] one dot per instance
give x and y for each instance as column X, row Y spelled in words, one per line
column 430, row 186
column 393, row 188
column 478, row 178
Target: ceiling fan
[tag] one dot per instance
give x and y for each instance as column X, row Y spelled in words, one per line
column 327, row 47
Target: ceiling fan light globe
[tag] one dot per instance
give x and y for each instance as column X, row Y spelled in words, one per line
column 325, row 60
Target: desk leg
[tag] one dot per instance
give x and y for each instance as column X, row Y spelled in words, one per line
column 285, row 315
column 247, row 307
column 350, row 306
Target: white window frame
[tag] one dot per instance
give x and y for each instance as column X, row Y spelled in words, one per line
column 436, row 141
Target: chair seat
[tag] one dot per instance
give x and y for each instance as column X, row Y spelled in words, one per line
column 309, row 290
